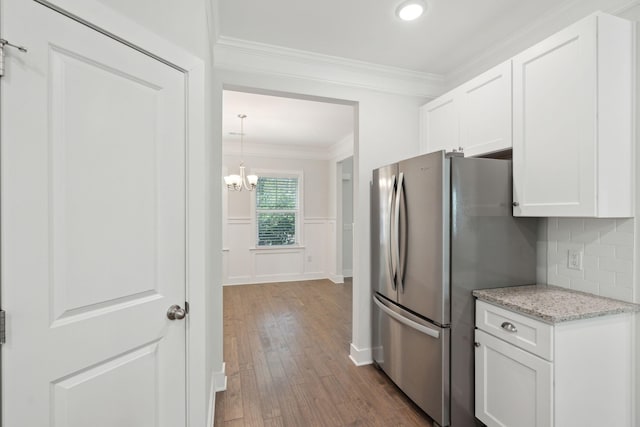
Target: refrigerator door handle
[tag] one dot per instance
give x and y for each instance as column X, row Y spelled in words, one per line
column 391, row 263
column 410, row 323
column 402, row 239
column 396, row 231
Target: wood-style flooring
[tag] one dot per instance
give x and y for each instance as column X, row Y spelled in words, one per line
column 286, row 348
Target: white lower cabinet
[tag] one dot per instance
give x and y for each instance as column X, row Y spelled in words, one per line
column 529, row 373
column 513, row 386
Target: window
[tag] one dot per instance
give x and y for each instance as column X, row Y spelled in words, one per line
column 277, row 211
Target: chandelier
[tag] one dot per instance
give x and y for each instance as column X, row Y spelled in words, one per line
column 237, row 182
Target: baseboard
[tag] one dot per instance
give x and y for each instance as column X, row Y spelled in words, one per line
column 336, row 278
column 275, row 278
column 212, row 400
column 218, row 383
column 220, row 379
column 360, row 356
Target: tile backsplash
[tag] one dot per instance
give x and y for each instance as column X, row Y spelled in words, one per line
column 607, row 248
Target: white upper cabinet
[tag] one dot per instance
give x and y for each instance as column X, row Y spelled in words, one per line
column 572, row 122
column 440, row 124
column 474, row 118
column 485, row 112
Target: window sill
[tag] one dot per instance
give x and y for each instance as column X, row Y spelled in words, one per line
column 277, row 248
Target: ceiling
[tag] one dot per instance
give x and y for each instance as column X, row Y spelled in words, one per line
column 284, row 121
column 447, row 36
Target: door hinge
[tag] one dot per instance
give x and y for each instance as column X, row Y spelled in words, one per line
column 3, row 327
column 4, row 43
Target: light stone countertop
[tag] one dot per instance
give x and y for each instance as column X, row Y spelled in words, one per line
column 553, row 304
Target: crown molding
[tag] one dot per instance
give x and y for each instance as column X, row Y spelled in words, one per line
column 242, row 55
column 624, row 8
column 532, row 32
column 278, row 151
column 342, row 149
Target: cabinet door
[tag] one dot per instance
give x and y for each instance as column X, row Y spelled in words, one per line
column 440, row 125
column 485, row 116
column 513, row 387
column 554, row 124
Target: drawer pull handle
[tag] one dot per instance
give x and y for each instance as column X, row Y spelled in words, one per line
column 510, row 327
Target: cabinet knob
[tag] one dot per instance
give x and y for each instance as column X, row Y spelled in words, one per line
column 477, row 344
column 515, row 204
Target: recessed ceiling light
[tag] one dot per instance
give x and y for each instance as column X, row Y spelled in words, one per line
column 410, row 10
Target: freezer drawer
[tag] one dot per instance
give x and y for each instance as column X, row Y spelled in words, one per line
column 414, row 353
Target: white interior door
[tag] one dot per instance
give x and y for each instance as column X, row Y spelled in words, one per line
column 93, row 228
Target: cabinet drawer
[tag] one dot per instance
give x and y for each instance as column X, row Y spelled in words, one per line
column 531, row 335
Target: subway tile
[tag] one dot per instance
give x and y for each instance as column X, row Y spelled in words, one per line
column 616, row 265
column 564, row 247
column 602, row 277
column 555, row 257
column 599, row 250
column 589, row 262
column 624, row 294
column 615, row 238
column 585, row 236
column 624, row 280
column 600, row 224
column 571, row 224
column 552, row 223
column 557, row 280
column 568, row 272
column 584, row 286
column 559, row 234
column 625, row 225
column 624, row 252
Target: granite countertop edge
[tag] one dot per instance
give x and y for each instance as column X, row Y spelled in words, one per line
column 497, row 296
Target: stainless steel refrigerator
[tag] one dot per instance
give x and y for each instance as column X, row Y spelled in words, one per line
column 441, row 226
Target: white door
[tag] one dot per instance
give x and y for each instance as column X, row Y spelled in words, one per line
column 93, row 228
column 514, row 388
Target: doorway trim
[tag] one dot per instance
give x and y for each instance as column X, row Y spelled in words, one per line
column 104, row 20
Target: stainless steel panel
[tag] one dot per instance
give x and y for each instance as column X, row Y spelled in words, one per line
column 413, row 358
column 382, row 199
column 489, row 248
column 424, row 236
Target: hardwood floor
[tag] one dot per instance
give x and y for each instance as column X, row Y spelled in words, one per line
column 286, row 348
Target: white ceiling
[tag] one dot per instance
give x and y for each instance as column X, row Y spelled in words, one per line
column 284, row 121
column 450, row 34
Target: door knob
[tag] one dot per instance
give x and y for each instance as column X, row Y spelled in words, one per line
column 176, row 312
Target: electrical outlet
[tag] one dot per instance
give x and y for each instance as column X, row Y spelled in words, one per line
column 574, row 260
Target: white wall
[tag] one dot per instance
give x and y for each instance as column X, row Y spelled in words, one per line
column 386, row 130
column 190, row 25
column 242, row 262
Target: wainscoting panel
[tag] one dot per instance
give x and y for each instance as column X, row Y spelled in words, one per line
column 278, row 262
column 245, row 264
